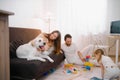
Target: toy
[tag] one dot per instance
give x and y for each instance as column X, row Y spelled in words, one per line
column 70, row 68
column 52, row 70
column 88, row 64
column 87, row 58
column 68, row 65
column 48, row 72
column 95, row 78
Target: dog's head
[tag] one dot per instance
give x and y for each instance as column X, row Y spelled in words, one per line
column 39, row 43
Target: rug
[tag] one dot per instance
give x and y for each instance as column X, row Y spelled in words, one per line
column 82, row 74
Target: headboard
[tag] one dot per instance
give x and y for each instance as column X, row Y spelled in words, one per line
column 24, row 34
column 19, row 36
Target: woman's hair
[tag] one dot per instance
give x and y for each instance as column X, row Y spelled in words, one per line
column 99, row 51
column 67, row 36
column 57, row 42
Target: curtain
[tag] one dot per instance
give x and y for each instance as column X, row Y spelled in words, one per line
column 82, row 19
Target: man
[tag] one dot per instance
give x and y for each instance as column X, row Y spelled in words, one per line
column 71, row 53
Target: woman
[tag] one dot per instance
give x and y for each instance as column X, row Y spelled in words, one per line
column 54, row 41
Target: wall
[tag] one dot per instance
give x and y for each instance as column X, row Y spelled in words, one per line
column 35, row 14
column 28, row 13
column 113, row 14
column 113, row 10
column 25, row 10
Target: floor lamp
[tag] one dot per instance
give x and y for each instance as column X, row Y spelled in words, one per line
column 49, row 16
column 49, row 24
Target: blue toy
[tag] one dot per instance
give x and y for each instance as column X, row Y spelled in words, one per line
column 68, row 71
column 95, row 78
column 52, row 70
column 45, row 74
column 48, row 72
column 88, row 67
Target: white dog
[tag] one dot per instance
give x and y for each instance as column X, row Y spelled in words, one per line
column 33, row 50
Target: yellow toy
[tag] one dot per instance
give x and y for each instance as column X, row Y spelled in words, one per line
column 70, row 68
column 88, row 64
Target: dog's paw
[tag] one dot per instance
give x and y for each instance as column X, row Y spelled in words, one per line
column 51, row 61
column 43, row 60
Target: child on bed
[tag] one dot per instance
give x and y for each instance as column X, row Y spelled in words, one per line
column 109, row 69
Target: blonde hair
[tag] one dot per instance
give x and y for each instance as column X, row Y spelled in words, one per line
column 99, row 51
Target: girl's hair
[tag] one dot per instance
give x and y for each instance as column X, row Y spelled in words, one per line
column 99, row 51
column 56, row 42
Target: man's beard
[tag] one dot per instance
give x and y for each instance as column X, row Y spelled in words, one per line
column 68, row 44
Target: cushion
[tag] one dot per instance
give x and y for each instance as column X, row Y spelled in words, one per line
column 13, row 46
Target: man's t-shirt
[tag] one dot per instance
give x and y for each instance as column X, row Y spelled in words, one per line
column 71, row 54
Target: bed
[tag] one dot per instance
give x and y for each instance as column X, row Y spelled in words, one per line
column 21, row 69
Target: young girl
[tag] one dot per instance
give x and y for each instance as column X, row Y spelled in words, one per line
column 108, row 68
